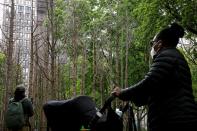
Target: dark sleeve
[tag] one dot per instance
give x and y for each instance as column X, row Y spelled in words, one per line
column 139, row 93
column 28, row 108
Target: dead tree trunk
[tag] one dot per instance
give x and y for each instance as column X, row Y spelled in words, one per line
column 94, row 66
column 53, row 53
column 9, row 59
column 17, row 77
column 74, row 45
column 126, row 55
column 83, row 70
column 31, row 67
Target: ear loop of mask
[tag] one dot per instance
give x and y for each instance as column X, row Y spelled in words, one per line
column 152, row 52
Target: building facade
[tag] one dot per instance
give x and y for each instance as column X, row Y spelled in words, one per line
column 22, row 31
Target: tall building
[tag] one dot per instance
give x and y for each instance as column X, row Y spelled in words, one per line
column 1, row 21
column 41, row 10
column 22, row 30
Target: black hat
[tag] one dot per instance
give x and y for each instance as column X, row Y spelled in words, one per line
column 20, row 88
column 170, row 35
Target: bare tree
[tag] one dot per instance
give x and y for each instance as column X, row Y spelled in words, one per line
column 9, row 58
column 31, row 53
column 94, row 65
column 83, row 70
column 127, row 49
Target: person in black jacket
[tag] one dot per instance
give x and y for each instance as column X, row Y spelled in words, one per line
column 167, row 88
column 19, row 95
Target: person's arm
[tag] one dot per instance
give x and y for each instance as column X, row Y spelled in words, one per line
column 30, row 111
column 160, row 69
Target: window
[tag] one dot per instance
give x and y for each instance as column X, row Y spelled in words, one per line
column 28, row 2
column 20, row 15
column 27, row 41
column 20, row 22
column 20, row 35
column 28, row 36
column 27, row 15
column 17, row 42
column 6, row 1
column 20, row 8
column 20, row 41
column 27, row 29
column 7, row 13
column 28, row 22
column 21, row 28
column 27, row 9
column 21, row 1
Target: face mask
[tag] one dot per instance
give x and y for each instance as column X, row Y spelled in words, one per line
column 152, row 52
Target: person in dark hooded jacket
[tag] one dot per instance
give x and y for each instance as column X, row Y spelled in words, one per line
column 167, row 88
column 19, row 95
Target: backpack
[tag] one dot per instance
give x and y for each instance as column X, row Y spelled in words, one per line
column 15, row 118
